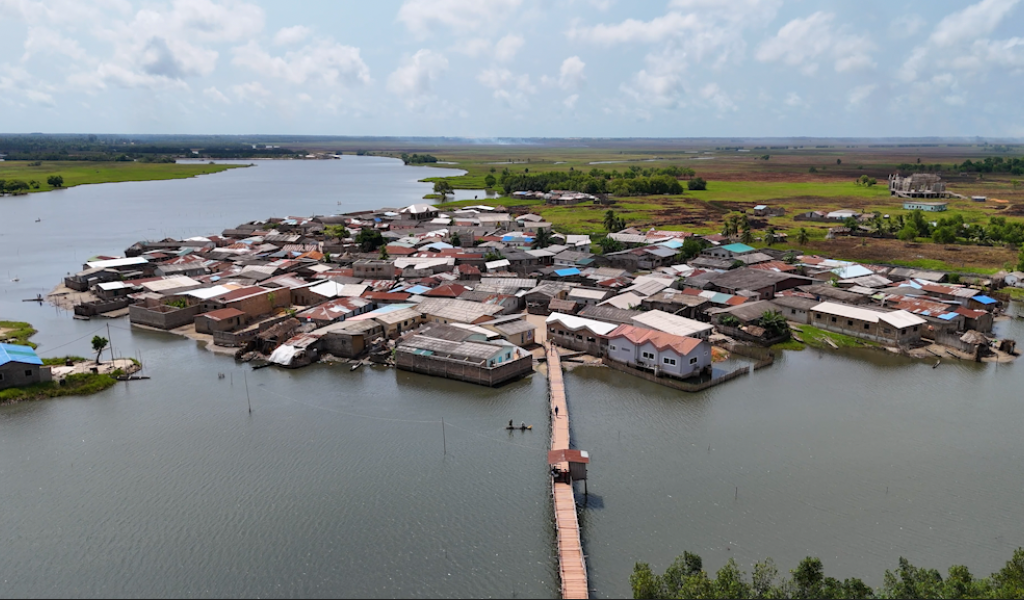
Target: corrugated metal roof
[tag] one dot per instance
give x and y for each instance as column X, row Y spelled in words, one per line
column 674, row 324
column 575, row 323
column 19, row 354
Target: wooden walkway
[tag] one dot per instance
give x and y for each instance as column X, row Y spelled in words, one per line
column 572, row 564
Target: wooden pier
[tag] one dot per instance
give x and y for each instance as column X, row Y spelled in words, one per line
column 572, row 564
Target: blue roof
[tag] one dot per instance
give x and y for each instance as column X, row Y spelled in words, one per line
column 738, row 248
column 417, row 289
column 19, row 354
column 949, row 316
column 567, row 272
column 674, row 244
column 984, row 299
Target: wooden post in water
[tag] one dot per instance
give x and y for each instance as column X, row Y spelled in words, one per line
column 444, row 438
column 247, row 399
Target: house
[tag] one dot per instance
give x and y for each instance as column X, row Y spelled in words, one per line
column 1014, row 279
column 664, row 354
column 609, row 314
column 572, row 258
column 795, row 308
column 765, row 284
column 373, row 269
column 419, row 212
column 446, row 310
column 675, row 302
column 893, row 328
column 579, row 334
column 335, row 310
column 484, row 363
column 925, row 206
column 225, row 319
column 253, row 301
column 349, row 339
column 21, row 366
column 588, row 296
column 513, row 329
column 763, row 210
column 395, row 319
column 728, row 251
column 674, row 324
column 538, row 298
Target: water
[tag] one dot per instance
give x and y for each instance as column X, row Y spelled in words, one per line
column 338, row 484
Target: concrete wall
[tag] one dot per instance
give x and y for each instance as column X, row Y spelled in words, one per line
column 627, row 352
column 15, row 374
column 583, row 340
column 438, row 367
column 162, row 317
column 877, row 332
column 91, row 309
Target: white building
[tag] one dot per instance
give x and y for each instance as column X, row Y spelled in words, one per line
column 661, row 352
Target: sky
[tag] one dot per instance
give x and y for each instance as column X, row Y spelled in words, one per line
column 514, row 68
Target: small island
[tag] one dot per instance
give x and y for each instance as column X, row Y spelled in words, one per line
column 24, row 376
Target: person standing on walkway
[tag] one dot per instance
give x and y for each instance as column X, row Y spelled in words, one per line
column 556, row 411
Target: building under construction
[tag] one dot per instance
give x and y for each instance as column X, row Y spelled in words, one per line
column 918, row 185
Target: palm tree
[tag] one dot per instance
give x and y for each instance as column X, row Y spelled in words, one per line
column 802, row 237
column 610, row 221
column 98, row 345
column 747, row 236
column 543, row 239
column 769, row 236
column 774, row 323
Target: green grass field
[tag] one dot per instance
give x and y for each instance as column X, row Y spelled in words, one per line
column 74, row 385
column 84, row 172
column 17, row 332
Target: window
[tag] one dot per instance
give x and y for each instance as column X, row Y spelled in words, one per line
column 1, row 376
column 833, row 319
column 867, row 326
column 579, row 337
column 648, row 355
column 817, row 315
column 613, row 347
column 591, row 340
column 915, row 327
column 792, row 311
column 849, row 323
column 669, row 361
column 693, row 361
column 887, row 330
column 28, row 372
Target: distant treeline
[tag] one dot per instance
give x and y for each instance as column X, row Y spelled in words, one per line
column 634, row 181
column 686, row 578
column 418, row 159
column 123, row 148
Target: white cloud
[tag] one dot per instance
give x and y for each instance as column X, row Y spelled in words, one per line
column 804, row 42
column 420, row 16
column 507, row 47
column 570, row 75
column 906, row 26
column 417, row 74
column 859, row 94
column 972, row 22
column 323, row 61
column 473, row 47
column 570, row 101
column 45, row 40
column 715, row 96
column 214, row 94
column 290, row 36
column 252, row 91
column 510, row 89
column 41, row 98
column 794, row 100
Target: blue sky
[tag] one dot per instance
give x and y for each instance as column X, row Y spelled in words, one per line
column 519, row 68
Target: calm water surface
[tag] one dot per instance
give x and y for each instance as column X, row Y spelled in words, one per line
column 338, row 485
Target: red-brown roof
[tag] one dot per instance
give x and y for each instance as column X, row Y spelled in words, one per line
column 639, row 335
column 560, row 456
column 241, row 293
column 970, row 314
column 736, row 300
column 387, row 296
column 451, row 290
column 400, row 250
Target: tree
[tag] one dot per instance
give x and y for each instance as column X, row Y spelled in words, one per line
column 907, row 234
column 384, row 253
column 369, row 240
column 493, row 255
column 802, row 237
column 336, row 231
column 1015, row 183
column 608, row 245
column 56, row 181
column 747, row 236
column 839, row 161
column 98, row 345
column 851, row 223
column 944, row 235
column 489, row 181
column 769, row 237
column 697, row 184
column 543, row 238
column 442, row 188
column 774, row 323
column 691, row 248
column 610, row 221
column 791, row 258
column 1020, row 260
column 456, row 239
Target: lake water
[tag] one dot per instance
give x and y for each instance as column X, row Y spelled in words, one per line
column 338, row 484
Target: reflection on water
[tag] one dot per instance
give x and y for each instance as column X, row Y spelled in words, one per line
column 345, row 484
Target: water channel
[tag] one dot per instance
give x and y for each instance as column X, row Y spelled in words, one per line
column 338, row 484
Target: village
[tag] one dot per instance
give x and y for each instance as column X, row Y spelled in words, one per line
column 472, row 294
